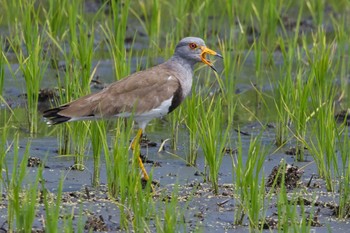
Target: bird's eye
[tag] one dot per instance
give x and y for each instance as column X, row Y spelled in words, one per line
column 192, row 45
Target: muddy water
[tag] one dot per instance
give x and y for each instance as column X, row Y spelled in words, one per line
column 205, row 211
column 208, row 212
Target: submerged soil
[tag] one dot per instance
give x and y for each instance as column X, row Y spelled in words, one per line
column 202, row 210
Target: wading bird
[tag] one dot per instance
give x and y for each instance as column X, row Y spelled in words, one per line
column 144, row 95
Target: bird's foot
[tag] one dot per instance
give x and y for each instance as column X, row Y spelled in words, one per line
column 145, row 142
column 144, row 159
column 153, row 184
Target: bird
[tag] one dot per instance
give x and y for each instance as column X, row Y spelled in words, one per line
column 144, row 95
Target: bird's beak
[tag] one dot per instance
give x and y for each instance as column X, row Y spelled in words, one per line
column 206, row 51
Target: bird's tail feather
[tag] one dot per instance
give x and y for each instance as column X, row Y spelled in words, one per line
column 53, row 116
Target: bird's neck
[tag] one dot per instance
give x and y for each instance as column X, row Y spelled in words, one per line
column 179, row 61
column 183, row 71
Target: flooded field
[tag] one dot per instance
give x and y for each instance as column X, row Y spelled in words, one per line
column 262, row 145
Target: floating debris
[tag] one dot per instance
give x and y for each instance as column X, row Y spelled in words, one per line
column 95, row 223
column 269, row 223
column 292, row 175
column 34, row 162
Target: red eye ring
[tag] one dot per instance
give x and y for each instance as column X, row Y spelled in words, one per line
column 192, row 45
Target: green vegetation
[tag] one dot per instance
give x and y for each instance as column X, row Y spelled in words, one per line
column 2, row 68
column 249, row 189
column 212, row 138
column 285, row 62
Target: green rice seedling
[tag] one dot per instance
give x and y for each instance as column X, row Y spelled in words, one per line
column 120, row 13
column 240, row 11
column 323, row 69
column 77, row 81
column 72, row 137
column 200, row 13
column 291, row 211
column 232, row 65
column 341, row 38
column 316, row 10
column 291, row 92
column 78, row 130
column 71, row 222
column 67, row 223
column 96, row 141
column 170, row 217
column 323, row 93
column 31, row 62
column 81, row 225
column 193, row 111
column 115, row 33
column 258, row 52
column 4, row 147
column 141, row 204
column 192, row 18
column 213, row 137
column 176, row 118
column 283, row 96
column 52, row 210
column 153, row 23
column 305, row 220
column 2, row 67
column 55, row 16
column 124, row 180
column 180, row 13
column 283, row 117
column 226, row 13
column 267, row 17
column 139, row 200
column 249, row 186
column 344, row 180
column 10, row 13
column 22, row 200
column 81, row 41
column 120, row 149
column 300, row 118
column 118, row 167
column 323, row 146
column 297, row 107
column 286, row 211
column 286, row 214
column 28, row 204
column 149, row 15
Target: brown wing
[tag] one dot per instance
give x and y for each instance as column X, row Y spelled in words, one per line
column 138, row 93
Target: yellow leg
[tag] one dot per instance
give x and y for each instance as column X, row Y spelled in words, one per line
column 136, row 140
column 144, row 172
column 133, row 146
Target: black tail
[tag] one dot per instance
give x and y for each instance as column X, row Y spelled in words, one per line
column 54, row 117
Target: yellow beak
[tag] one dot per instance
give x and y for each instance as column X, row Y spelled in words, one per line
column 206, row 51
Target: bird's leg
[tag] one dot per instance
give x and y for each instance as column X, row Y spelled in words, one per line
column 134, row 144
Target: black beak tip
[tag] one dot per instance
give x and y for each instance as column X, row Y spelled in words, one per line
column 213, row 68
column 219, row 55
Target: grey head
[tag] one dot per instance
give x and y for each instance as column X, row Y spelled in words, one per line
column 193, row 50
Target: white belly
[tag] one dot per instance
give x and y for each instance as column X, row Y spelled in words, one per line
column 163, row 109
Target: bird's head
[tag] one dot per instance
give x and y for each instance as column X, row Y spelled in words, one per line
column 194, row 49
